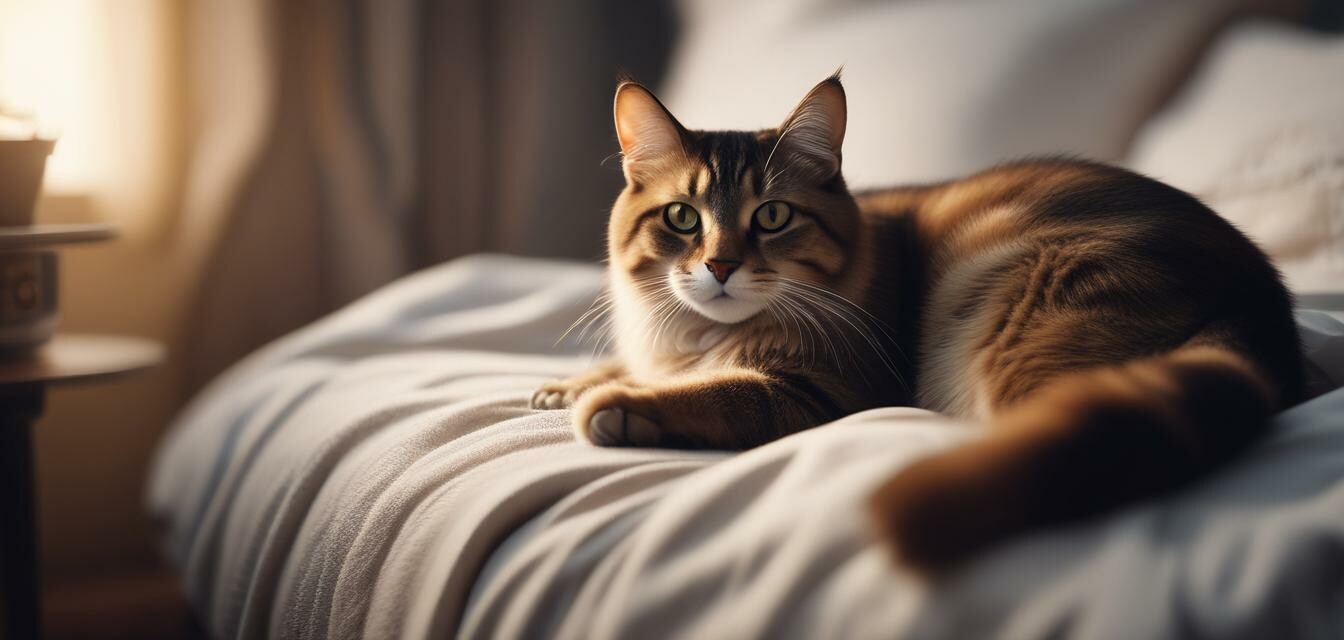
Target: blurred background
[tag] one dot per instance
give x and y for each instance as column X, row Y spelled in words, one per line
column 269, row 162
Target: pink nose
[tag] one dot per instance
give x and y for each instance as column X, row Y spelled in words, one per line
column 722, row 268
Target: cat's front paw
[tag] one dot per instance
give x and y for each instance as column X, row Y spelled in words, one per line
column 559, row 394
column 615, row 417
column 619, row 427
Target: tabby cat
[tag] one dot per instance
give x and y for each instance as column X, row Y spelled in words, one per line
column 1117, row 337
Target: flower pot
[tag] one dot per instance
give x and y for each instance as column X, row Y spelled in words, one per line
column 22, row 163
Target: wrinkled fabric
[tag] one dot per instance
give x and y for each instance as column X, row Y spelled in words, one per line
column 378, row 474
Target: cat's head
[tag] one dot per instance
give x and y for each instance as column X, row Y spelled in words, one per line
column 732, row 222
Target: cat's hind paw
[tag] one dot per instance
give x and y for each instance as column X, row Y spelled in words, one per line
column 942, row 511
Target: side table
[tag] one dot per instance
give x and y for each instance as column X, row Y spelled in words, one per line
column 66, row 359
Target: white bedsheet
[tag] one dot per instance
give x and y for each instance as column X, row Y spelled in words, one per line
column 355, row 478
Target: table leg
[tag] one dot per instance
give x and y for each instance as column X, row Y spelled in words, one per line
column 20, row 611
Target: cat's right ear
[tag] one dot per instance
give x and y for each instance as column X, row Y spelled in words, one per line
column 646, row 130
column 811, row 137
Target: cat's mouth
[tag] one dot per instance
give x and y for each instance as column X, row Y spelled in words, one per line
column 726, row 309
column 715, row 301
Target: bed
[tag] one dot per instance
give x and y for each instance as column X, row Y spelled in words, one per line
column 379, row 473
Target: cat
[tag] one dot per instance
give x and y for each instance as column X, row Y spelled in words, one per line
column 1117, row 338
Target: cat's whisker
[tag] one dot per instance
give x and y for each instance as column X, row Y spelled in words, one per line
column 779, row 320
column 606, row 336
column 801, row 310
column 822, row 304
column 782, row 318
column 609, row 336
column 646, row 301
column 773, row 311
column 805, row 338
column 654, row 307
column 668, row 319
column 600, row 306
column 656, row 318
column 587, row 326
column 881, row 326
column 781, row 315
column 659, row 314
column 855, row 322
column 843, row 337
column 605, row 312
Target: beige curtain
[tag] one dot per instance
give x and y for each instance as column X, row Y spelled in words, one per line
column 339, row 144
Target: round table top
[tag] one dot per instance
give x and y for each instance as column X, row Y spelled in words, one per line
column 42, row 235
column 80, row 358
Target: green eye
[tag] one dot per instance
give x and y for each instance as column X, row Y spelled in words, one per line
column 773, row 216
column 683, row 218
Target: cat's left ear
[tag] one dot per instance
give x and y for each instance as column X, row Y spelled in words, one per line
column 812, row 135
column 646, row 130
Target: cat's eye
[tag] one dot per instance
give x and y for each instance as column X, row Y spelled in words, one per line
column 682, row 217
column 773, row 216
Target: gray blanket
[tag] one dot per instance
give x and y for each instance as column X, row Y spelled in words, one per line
column 379, row 475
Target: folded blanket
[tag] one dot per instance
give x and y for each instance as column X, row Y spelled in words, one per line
column 378, row 474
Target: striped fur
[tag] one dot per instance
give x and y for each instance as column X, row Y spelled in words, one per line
column 1118, row 337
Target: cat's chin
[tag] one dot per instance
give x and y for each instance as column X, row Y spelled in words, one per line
column 727, row 309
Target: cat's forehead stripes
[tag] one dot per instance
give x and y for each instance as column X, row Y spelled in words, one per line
column 728, row 159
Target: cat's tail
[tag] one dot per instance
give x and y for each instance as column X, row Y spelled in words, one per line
column 1084, row 445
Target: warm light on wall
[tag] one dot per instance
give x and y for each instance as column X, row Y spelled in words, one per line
column 45, row 71
column 100, row 77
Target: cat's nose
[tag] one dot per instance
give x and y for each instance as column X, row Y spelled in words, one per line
column 722, row 268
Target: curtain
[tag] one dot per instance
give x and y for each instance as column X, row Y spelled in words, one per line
column 336, row 145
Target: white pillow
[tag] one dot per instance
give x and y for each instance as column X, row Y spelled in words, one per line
column 940, row 89
column 1259, row 136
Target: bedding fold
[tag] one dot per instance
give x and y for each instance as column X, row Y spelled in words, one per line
column 378, row 474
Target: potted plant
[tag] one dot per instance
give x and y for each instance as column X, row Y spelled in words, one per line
column 23, row 160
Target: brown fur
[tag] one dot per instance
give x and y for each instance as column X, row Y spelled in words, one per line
column 1117, row 336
